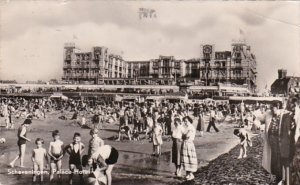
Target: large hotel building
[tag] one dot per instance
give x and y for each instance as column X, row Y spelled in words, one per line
column 235, row 67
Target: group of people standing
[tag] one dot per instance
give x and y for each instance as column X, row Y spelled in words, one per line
column 100, row 158
column 281, row 154
column 184, row 154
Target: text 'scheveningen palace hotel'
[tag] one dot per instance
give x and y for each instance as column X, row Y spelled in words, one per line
column 225, row 72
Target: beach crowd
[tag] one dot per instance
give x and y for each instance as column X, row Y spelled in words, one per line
column 277, row 122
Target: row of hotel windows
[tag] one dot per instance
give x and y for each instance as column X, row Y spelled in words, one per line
column 166, row 64
column 80, row 71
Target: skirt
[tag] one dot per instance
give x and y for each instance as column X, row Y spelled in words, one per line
column 276, row 168
column 176, row 148
column 157, row 140
column 189, row 156
column 200, row 125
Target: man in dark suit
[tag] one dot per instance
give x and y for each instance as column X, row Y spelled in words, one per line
column 287, row 138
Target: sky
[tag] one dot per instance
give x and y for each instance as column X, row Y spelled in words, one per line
column 33, row 33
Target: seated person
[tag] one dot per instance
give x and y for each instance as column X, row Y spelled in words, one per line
column 124, row 129
column 136, row 135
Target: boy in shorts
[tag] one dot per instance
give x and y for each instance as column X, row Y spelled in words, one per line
column 56, row 154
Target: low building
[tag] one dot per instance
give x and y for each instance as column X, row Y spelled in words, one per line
column 285, row 85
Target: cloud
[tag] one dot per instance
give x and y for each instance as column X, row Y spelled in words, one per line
column 33, row 32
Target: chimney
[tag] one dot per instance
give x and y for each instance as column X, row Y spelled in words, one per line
column 282, row 73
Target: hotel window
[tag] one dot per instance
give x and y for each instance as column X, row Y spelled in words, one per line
column 238, row 55
column 166, row 63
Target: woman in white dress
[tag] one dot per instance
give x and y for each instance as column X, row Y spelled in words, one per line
column 188, row 152
column 266, row 159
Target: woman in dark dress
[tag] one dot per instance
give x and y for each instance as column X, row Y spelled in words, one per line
column 200, row 126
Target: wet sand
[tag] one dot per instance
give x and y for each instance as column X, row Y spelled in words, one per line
column 135, row 164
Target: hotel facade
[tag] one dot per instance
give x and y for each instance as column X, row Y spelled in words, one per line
column 234, row 67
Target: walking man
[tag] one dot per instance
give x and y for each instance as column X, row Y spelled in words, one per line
column 212, row 119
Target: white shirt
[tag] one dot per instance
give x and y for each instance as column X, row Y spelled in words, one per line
column 191, row 132
column 104, row 151
column 177, row 132
column 83, row 120
column 157, row 130
column 212, row 114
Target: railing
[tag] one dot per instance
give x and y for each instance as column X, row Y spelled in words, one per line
column 84, row 75
column 81, row 66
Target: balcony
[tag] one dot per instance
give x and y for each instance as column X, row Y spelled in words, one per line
column 81, row 75
column 155, row 67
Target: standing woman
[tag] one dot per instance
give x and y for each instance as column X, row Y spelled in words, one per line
column 176, row 147
column 266, row 159
column 22, row 139
column 200, row 126
column 188, row 153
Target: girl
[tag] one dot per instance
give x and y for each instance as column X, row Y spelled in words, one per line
column 188, row 153
column 22, row 139
column 245, row 141
column 38, row 156
column 200, row 126
column 157, row 139
column 95, row 142
column 105, row 158
column 149, row 128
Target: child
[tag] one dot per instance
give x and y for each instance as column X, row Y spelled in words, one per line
column 56, row 153
column 124, row 129
column 157, row 139
column 162, row 121
column 95, row 142
column 38, row 155
column 105, row 158
column 136, row 135
column 245, row 141
column 83, row 121
column 75, row 151
column 149, row 127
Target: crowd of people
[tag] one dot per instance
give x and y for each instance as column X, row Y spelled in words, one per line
column 159, row 122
